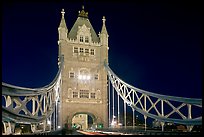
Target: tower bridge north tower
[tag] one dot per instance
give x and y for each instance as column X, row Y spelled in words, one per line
column 84, row 78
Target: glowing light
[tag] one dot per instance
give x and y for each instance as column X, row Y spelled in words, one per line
column 100, row 126
column 59, row 127
column 88, row 77
column 83, row 77
column 80, row 77
column 48, row 122
column 120, row 124
column 114, row 122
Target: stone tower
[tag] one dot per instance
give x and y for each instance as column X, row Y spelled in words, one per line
column 84, row 78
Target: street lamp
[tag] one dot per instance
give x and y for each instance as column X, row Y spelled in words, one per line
column 113, row 123
column 136, row 119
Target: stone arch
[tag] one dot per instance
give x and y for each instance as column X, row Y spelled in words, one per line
column 84, row 119
column 88, row 113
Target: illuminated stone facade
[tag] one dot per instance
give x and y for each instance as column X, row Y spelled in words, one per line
column 84, row 79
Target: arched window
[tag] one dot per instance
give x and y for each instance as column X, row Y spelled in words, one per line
column 84, row 74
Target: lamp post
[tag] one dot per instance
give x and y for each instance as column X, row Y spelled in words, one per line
column 136, row 119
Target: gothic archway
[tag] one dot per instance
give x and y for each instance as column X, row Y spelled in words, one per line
column 84, row 120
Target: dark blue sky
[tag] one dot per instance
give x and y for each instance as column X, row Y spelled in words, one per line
column 153, row 46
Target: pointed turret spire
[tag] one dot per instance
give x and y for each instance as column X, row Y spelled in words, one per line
column 62, row 30
column 63, row 23
column 104, row 34
column 103, row 30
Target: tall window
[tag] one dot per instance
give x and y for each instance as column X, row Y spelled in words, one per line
column 92, row 52
column 87, row 39
column 84, row 75
column 86, row 51
column 75, row 94
column 81, row 39
column 75, row 49
column 93, row 95
column 81, row 50
column 71, row 74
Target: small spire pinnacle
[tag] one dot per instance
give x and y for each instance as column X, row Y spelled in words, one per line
column 104, row 19
column 63, row 23
column 62, row 13
column 82, row 7
column 103, row 30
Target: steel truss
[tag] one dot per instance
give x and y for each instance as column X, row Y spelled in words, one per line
column 157, row 106
column 40, row 106
column 32, row 106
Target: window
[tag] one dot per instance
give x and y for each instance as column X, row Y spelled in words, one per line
column 84, row 90
column 96, row 76
column 71, row 74
column 87, row 39
column 92, row 52
column 84, row 95
column 84, row 74
column 81, row 38
column 93, row 95
column 81, row 50
column 75, row 49
column 75, row 94
column 87, row 51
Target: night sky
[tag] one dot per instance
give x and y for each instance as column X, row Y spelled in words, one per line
column 153, row 46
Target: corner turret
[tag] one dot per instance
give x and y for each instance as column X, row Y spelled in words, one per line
column 104, row 34
column 62, row 29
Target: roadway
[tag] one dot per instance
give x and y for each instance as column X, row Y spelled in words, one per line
column 133, row 132
column 98, row 132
